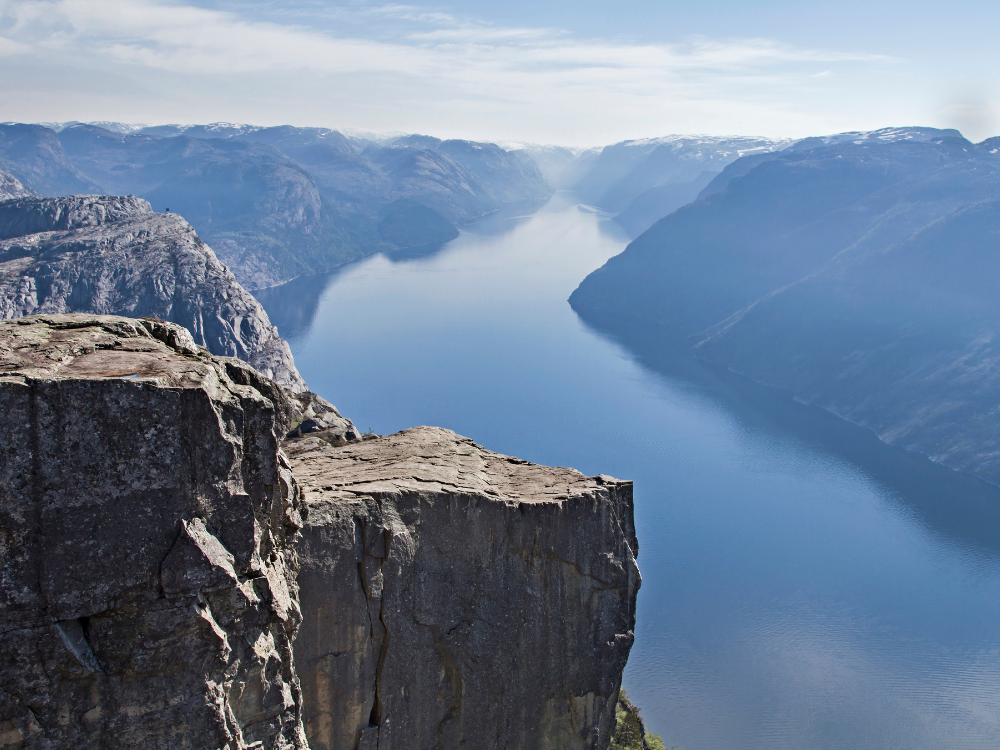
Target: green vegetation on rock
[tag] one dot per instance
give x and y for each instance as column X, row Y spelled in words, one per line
column 630, row 732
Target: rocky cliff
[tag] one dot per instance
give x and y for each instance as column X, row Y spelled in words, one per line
column 115, row 255
column 448, row 596
column 279, row 202
column 10, row 187
column 147, row 592
column 454, row 597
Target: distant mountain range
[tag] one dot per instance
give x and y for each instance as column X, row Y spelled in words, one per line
column 641, row 181
column 280, row 202
column 859, row 271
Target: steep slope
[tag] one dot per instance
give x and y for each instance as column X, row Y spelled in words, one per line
column 111, row 255
column 859, row 274
column 34, row 155
column 341, row 173
column 10, row 187
column 433, row 179
column 655, row 203
column 462, row 598
column 503, row 176
column 632, row 177
column 147, row 593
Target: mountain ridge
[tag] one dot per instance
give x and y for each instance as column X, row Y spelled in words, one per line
column 856, row 274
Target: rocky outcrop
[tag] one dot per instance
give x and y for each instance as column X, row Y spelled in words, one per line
column 448, row 596
column 453, row 597
column 147, row 592
column 115, row 255
column 313, row 414
column 11, row 188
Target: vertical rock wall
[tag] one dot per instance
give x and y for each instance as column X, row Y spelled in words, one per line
column 147, row 595
column 454, row 597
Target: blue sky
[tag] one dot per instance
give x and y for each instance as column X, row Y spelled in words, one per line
column 578, row 73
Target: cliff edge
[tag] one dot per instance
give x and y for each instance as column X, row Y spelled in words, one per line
column 455, row 597
column 166, row 581
column 147, row 590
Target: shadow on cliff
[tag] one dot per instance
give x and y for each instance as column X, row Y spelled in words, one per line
column 292, row 306
column 960, row 508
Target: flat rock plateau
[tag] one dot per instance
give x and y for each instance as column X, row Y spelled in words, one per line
column 457, row 597
column 169, row 579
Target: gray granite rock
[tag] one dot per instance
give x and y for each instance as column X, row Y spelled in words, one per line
column 11, row 188
column 147, row 590
column 313, row 414
column 115, row 255
column 454, row 597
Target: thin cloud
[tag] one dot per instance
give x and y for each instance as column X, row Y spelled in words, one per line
column 460, row 68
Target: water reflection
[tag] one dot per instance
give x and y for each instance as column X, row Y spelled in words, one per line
column 804, row 586
column 962, row 509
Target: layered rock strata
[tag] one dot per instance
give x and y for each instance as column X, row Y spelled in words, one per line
column 454, row 597
column 115, row 255
column 147, row 590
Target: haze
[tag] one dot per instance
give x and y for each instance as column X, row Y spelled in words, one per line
column 580, row 73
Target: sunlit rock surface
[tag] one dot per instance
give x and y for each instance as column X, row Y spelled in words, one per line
column 147, row 592
column 455, row 597
column 115, row 255
column 11, row 188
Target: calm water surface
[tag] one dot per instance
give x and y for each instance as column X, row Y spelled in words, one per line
column 804, row 586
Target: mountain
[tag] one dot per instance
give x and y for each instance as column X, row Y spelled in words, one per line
column 645, row 180
column 10, row 187
column 116, row 256
column 460, row 179
column 559, row 165
column 503, row 176
column 432, row 178
column 280, row 202
column 262, row 212
column 340, row 172
column 856, row 271
column 34, row 155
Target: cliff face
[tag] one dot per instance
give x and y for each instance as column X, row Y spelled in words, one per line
column 115, row 255
column 147, row 593
column 150, row 539
column 10, row 187
column 455, row 597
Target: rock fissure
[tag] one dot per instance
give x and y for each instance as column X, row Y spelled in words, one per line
column 181, row 583
column 489, row 627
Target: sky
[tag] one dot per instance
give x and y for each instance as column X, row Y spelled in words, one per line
column 581, row 73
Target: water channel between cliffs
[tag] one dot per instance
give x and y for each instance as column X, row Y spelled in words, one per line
column 804, row 586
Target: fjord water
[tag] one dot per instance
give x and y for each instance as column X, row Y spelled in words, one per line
column 804, row 585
